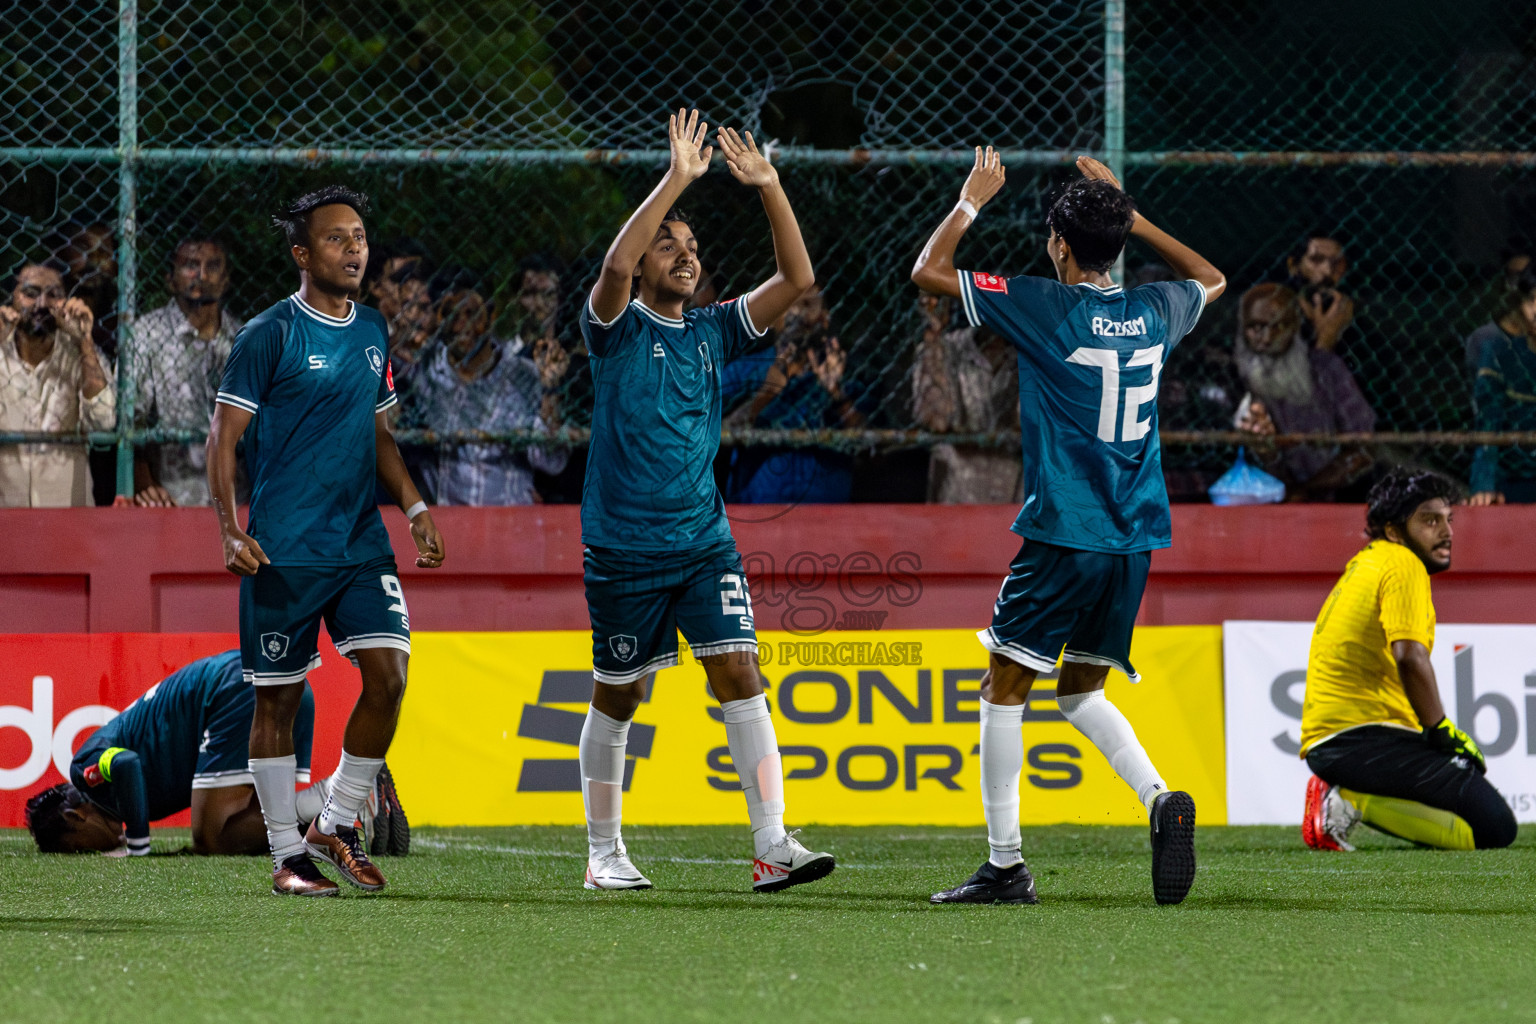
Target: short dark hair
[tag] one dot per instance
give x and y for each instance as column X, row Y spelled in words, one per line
column 454, row 278
column 45, row 818
column 293, row 221
column 1525, row 283
column 196, row 239
column 1398, row 495
column 1094, row 218
column 539, row 263
column 52, row 263
column 1305, row 241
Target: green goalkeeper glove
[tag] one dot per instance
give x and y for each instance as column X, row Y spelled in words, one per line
column 1446, row 738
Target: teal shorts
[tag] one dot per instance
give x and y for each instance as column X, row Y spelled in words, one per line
column 1076, row 605
column 281, row 608
column 638, row 604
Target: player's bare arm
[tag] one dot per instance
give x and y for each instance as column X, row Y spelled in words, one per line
column 935, row 268
column 430, row 551
column 242, row 555
column 1185, row 262
column 1418, row 678
column 690, row 159
column 793, row 272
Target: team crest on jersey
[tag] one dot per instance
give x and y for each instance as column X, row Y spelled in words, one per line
column 376, row 360
column 990, row 282
column 623, row 646
column 274, row 646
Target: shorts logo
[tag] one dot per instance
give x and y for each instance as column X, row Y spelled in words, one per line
column 376, row 360
column 92, row 775
column 623, row 646
column 274, row 645
column 990, row 282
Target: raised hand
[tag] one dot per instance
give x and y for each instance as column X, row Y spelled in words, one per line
column 1095, row 170
column 75, row 321
column 829, row 366
column 686, row 133
column 747, row 165
column 551, row 360
column 9, row 318
column 986, row 178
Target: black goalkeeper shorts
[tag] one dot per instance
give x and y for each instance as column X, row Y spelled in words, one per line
column 1384, row 761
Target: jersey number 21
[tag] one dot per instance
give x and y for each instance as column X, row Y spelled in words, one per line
column 1132, row 427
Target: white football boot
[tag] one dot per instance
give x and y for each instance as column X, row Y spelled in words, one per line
column 614, row 871
column 787, row 863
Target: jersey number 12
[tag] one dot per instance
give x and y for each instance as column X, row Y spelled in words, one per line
column 1132, row 427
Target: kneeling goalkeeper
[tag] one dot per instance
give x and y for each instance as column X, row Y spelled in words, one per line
column 1372, row 727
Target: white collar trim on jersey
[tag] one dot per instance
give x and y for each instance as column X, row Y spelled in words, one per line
column 1105, row 289
column 329, row 321
column 665, row 321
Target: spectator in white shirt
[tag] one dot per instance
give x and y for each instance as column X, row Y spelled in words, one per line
column 52, row 380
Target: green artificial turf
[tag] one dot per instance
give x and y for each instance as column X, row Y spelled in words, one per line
column 492, row 924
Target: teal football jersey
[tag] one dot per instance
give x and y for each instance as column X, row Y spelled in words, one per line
column 1089, row 360
column 650, row 483
column 313, row 384
column 190, row 730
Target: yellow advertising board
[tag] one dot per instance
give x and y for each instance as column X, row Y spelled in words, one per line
column 874, row 728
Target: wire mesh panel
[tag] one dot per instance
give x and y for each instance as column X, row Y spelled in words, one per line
column 504, row 142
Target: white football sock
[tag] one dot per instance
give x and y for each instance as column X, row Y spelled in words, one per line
column 603, row 740
column 755, row 753
column 350, row 785
column 1099, row 720
column 310, row 802
column 275, row 778
column 1002, row 759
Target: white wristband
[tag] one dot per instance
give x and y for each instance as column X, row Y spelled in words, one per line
column 416, row 510
column 965, row 207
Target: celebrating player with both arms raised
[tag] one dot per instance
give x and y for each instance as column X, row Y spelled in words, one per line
column 308, row 384
column 1095, row 506
column 659, row 551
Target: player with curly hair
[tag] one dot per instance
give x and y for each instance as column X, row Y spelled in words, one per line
column 1095, row 507
column 1373, row 729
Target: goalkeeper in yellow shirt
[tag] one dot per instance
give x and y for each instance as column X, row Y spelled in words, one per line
column 1373, row 730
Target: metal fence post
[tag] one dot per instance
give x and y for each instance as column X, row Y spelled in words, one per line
column 127, row 231
column 1114, row 100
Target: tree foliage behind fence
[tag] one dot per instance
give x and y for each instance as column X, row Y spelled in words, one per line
column 492, row 130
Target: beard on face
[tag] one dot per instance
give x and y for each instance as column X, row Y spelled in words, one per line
column 1286, row 377
column 40, row 322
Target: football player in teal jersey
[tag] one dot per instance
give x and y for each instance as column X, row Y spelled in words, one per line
column 307, row 384
column 1089, row 356
column 659, row 553
column 184, row 743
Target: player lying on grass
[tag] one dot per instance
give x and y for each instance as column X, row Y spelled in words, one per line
column 184, row 743
column 308, row 384
column 1372, row 725
column 1094, row 502
column 659, row 553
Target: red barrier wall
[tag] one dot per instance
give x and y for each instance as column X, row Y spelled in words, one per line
column 813, row 567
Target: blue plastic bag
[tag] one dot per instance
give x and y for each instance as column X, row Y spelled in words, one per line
column 1246, row 485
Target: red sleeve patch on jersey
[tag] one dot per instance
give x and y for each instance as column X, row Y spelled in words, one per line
column 389, row 375
column 92, row 775
column 990, row 282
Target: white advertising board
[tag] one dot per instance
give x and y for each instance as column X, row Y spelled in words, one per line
column 1487, row 679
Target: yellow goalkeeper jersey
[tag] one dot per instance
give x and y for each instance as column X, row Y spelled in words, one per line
column 1352, row 678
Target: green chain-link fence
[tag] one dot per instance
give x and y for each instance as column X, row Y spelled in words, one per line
column 498, row 131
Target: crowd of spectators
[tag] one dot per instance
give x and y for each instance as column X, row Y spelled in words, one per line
column 472, row 356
